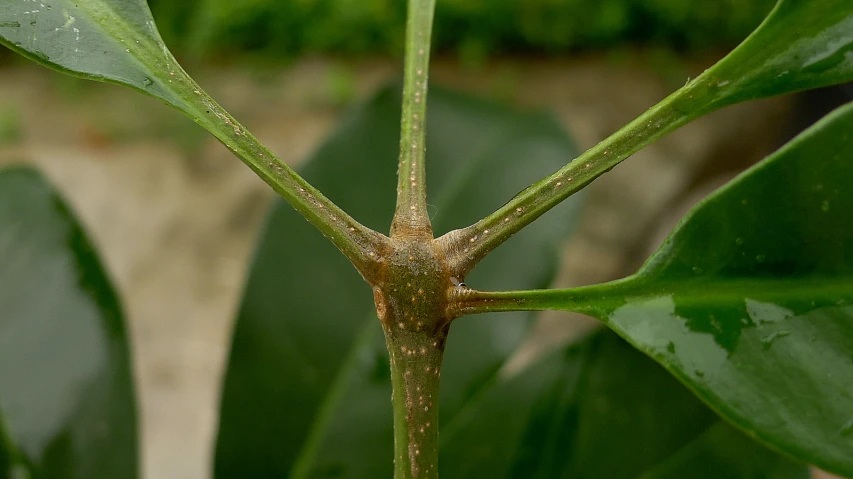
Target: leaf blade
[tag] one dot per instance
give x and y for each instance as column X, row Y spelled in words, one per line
column 103, row 40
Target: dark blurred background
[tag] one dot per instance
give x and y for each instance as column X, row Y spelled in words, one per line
column 176, row 216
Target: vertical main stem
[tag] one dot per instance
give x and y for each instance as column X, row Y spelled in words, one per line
column 415, row 374
column 411, row 303
column 411, row 217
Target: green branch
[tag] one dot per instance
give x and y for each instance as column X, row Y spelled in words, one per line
column 361, row 245
column 97, row 40
column 411, row 217
column 465, row 247
column 783, row 55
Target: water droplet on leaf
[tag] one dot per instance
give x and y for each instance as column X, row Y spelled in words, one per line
column 739, row 241
column 147, row 82
column 824, row 206
column 760, row 258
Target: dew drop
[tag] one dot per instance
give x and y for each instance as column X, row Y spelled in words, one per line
column 41, row 55
column 698, row 270
column 147, row 82
column 12, row 24
column 739, row 241
column 824, row 206
column 671, row 347
column 760, row 258
column 700, row 374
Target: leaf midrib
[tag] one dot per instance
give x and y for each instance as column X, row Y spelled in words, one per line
column 609, row 296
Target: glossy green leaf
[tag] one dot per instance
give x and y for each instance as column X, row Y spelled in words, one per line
column 67, row 407
column 307, row 391
column 802, row 44
column 104, row 40
column 750, row 301
column 599, row 409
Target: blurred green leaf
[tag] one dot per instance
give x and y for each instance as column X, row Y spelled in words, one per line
column 723, row 451
column 66, row 393
column 308, row 385
column 750, row 300
column 598, row 409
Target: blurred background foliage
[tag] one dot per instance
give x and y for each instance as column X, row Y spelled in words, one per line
column 473, row 29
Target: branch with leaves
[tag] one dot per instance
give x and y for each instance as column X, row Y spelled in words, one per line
column 742, row 281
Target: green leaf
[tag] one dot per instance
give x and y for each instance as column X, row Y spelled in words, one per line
column 307, row 391
column 66, row 393
column 802, row 44
column 104, row 40
column 723, row 451
column 599, row 399
column 750, row 300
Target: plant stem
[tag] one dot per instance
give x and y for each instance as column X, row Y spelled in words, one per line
column 416, row 358
column 411, row 217
column 464, row 248
column 176, row 88
column 411, row 303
